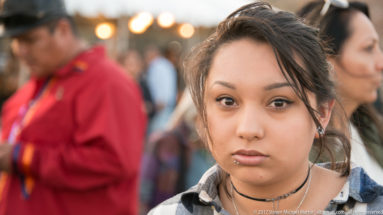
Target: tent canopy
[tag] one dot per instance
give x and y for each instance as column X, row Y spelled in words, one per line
column 196, row 12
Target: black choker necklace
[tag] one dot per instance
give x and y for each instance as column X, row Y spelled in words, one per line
column 276, row 198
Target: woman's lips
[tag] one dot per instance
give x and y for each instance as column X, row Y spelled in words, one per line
column 249, row 157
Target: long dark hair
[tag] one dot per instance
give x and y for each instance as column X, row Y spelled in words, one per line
column 291, row 41
column 334, row 29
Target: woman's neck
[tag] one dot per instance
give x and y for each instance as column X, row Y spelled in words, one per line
column 342, row 114
column 314, row 196
column 269, row 191
column 350, row 107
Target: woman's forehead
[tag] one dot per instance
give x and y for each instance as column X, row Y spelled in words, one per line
column 248, row 60
column 361, row 29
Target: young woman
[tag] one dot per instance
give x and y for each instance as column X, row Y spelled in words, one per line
column 357, row 59
column 261, row 86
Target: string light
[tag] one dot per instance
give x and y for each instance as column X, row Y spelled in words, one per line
column 140, row 23
column 105, row 30
column 166, row 20
column 186, row 30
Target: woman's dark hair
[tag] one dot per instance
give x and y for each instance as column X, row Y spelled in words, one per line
column 334, row 26
column 335, row 29
column 297, row 48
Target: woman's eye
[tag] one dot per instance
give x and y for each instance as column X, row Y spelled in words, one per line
column 226, row 101
column 280, row 103
column 369, row 48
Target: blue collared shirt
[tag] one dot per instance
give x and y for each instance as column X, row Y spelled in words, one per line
column 162, row 84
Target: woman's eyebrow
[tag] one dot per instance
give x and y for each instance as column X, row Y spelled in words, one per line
column 267, row 88
column 276, row 85
column 225, row 84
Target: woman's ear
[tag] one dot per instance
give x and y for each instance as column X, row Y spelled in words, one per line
column 335, row 65
column 324, row 116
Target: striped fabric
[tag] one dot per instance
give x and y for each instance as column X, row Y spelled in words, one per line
column 360, row 195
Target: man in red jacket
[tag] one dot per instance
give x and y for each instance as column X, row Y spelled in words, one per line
column 72, row 136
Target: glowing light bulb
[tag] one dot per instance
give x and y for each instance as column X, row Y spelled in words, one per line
column 146, row 18
column 139, row 23
column 166, row 20
column 186, row 30
column 104, row 30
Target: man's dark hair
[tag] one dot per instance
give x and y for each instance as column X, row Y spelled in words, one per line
column 51, row 25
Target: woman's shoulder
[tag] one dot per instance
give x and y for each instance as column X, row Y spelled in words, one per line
column 171, row 206
column 199, row 199
column 363, row 188
column 360, row 193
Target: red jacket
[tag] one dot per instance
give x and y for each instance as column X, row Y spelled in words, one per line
column 80, row 152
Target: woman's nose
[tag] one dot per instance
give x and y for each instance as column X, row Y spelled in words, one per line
column 250, row 126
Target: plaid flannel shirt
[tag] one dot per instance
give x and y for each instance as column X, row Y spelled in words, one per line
column 359, row 195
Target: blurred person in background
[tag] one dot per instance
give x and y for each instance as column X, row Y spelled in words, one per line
column 354, row 52
column 175, row 159
column 173, row 52
column 162, row 83
column 131, row 61
column 72, row 135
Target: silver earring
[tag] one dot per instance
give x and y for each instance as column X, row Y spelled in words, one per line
column 320, row 130
column 236, row 162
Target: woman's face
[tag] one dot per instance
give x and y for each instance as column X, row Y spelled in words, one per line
column 360, row 64
column 254, row 116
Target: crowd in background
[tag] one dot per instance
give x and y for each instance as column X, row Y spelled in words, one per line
column 174, row 158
